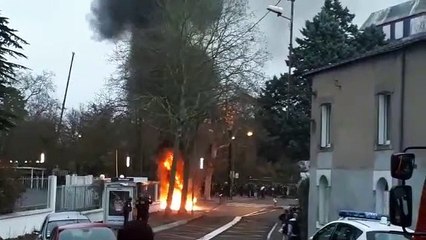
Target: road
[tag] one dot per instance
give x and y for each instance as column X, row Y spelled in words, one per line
column 250, row 219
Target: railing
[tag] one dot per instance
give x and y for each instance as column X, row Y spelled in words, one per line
column 78, row 198
column 34, row 183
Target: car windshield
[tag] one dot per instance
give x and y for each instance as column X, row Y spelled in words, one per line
column 53, row 224
column 87, row 234
column 380, row 235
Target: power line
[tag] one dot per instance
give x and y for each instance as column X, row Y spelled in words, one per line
column 261, row 19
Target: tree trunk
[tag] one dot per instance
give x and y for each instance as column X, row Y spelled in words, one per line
column 173, row 172
column 208, row 183
column 186, row 168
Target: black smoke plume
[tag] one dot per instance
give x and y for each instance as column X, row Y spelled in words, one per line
column 111, row 18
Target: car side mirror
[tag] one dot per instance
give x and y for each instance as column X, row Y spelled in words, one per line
column 402, row 165
column 401, row 206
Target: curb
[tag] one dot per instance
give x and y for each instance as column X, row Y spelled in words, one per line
column 174, row 224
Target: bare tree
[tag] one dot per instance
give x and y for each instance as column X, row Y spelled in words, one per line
column 38, row 91
column 178, row 70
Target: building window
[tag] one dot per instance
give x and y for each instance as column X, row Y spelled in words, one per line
column 325, row 125
column 387, row 31
column 323, row 203
column 399, row 29
column 384, row 120
column 382, row 196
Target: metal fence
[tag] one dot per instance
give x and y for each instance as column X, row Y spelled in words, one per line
column 34, row 196
column 34, row 183
column 78, row 198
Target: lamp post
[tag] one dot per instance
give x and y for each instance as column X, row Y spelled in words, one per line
column 231, row 163
column 280, row 11
column 42, row 158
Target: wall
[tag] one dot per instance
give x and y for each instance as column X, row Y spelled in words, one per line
column 351, row 91
column 354, row 158
column 20, row 223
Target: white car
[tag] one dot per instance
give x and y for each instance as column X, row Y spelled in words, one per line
column 355, row 225
column 59, row 219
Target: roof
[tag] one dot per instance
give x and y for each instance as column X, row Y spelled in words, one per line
column 396, row 12
column 391, row 47
column 65, row 215
column 82, row 225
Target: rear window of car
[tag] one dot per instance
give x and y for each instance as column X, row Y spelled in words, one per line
column 53, row 224
column 380, row 235
column 96, row 233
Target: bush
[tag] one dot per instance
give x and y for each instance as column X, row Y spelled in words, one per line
column 10, row 190
column 303, row 193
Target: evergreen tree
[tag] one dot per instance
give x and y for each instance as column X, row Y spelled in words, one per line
column 10, row 44
column 328, row 38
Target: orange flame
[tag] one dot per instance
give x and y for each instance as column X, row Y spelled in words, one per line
column 164, row 176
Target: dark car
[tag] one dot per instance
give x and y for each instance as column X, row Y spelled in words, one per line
column 83, row 231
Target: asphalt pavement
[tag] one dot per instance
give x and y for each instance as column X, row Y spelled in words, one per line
column 241, row 218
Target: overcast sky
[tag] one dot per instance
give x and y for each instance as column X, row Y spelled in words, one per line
column 55, row 28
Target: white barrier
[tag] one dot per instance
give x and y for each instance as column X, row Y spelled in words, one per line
column 97, row 215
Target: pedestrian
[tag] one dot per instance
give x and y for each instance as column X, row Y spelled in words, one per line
column 127, row 209
column 284, row 223
column 293, row 230
column 136, row 230
column 142, row 207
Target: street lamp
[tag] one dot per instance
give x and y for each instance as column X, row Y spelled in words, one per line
column 233, row 137
column 42, row 158
column 280, row 11
column 127, row 161
column 201, row 163
column 249, row 133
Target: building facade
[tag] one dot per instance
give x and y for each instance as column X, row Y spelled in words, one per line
column 363, row 110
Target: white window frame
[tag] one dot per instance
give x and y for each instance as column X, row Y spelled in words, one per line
column 383, row 123
column 399, row 30
column 325, row 139
column 387, row 31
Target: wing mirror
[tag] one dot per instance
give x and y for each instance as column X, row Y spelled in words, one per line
column 402, row 165
column 400, row 206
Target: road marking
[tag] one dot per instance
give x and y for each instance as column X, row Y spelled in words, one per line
column 248, row 205
column 260, row 213
column 272, row 231
column 221, row 229
column 253, row 213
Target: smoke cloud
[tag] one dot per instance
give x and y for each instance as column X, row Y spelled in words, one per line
column 111, row 18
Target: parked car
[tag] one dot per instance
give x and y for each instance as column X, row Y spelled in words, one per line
column 355, row 225
column 59, row 219
column 83, row 231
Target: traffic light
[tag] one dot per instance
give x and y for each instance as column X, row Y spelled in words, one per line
column 402, row 165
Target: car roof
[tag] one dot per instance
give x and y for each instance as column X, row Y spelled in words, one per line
column 82, row 226
column 66, row 215
column 370, row 225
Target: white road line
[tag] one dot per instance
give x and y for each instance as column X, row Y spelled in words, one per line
column 272, row 231
column 255, row 212
column 221, row 229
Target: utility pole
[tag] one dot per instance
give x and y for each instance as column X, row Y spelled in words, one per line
column 231, row 171
column 116, row 162
column 65, row 96
column 290, row 52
